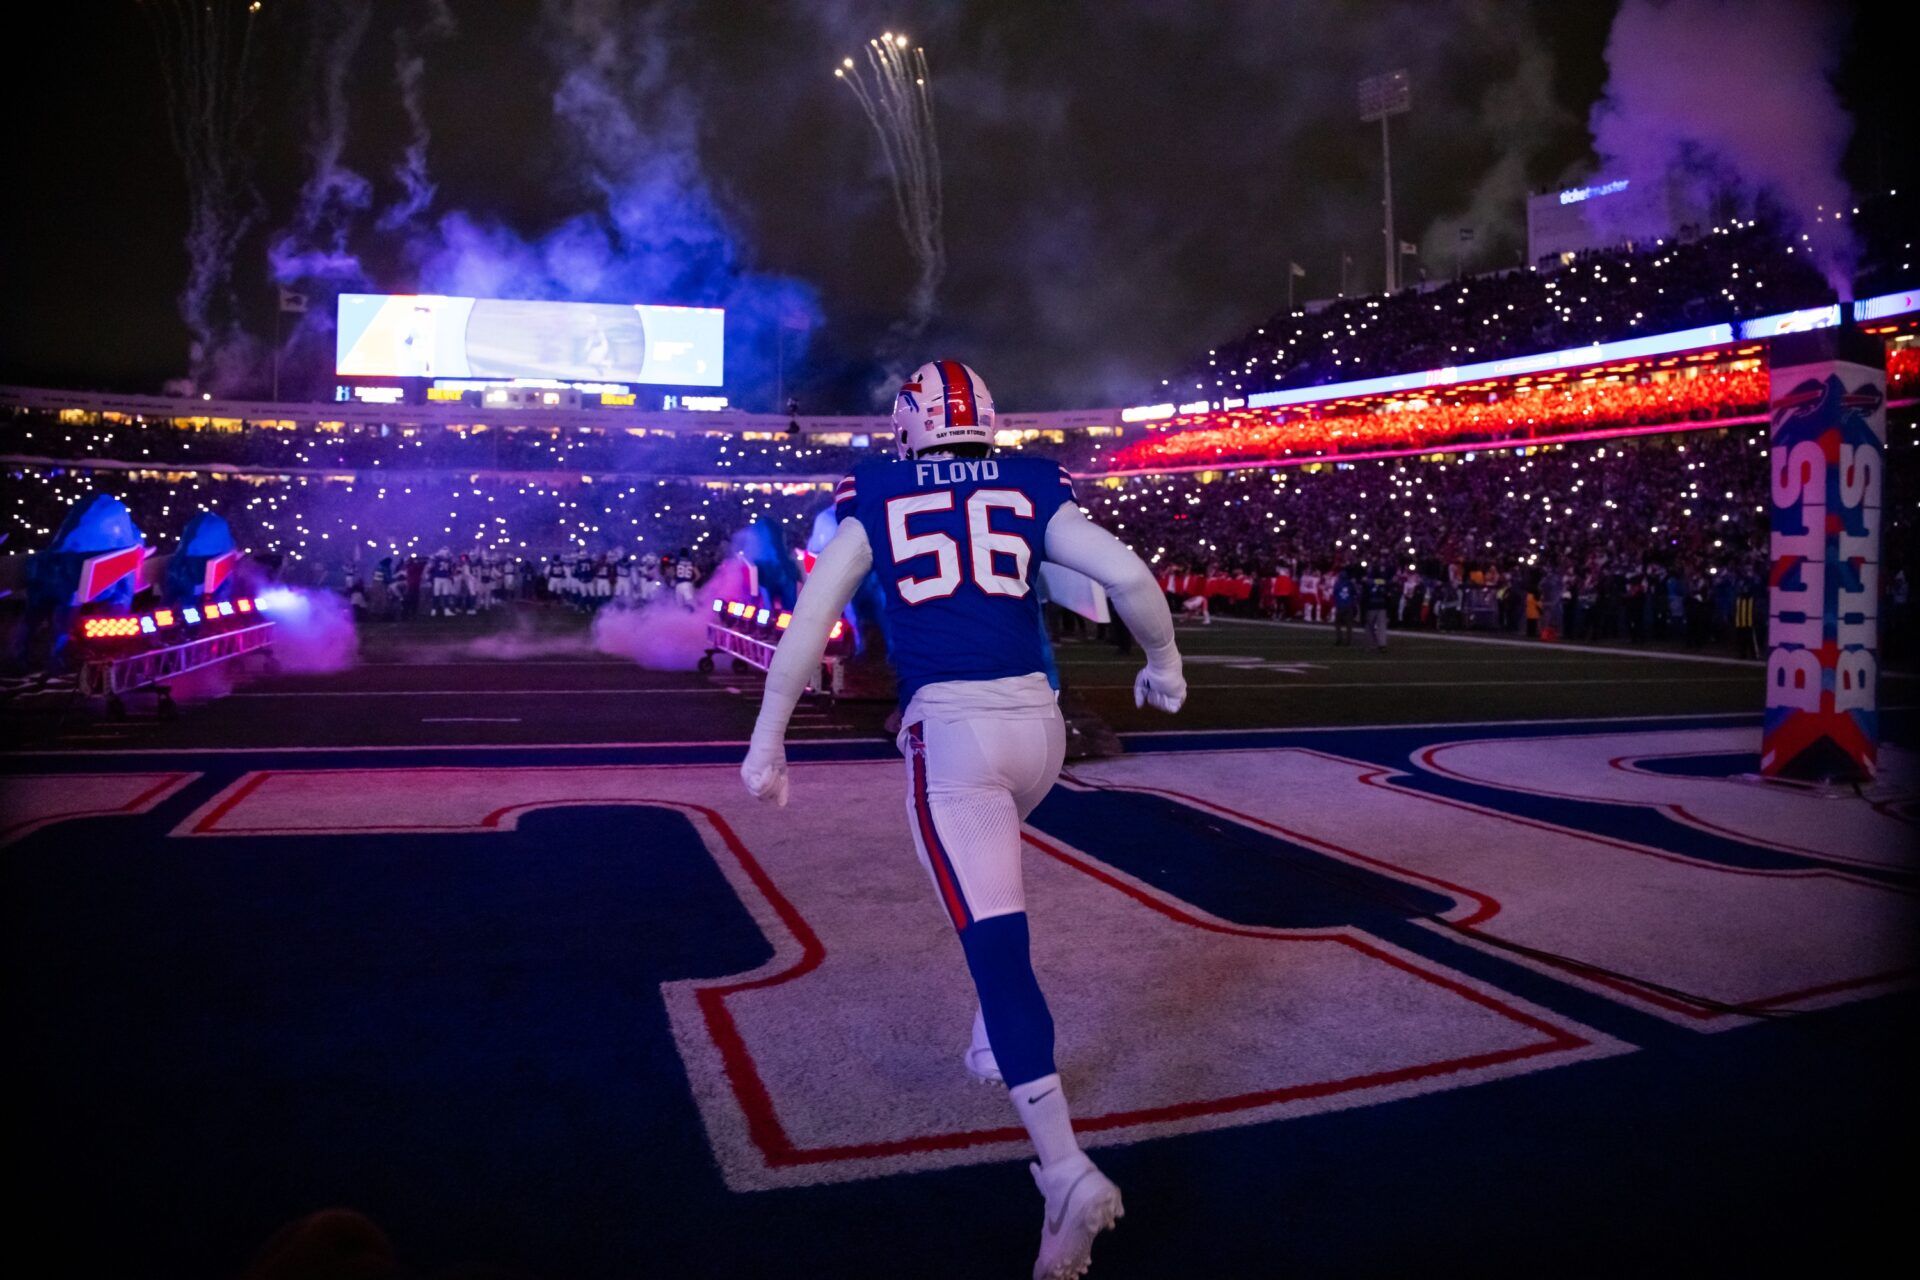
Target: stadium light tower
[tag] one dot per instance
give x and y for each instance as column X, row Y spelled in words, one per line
column 1381, row 97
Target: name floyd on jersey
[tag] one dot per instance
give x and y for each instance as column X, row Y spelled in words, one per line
column 955, row 471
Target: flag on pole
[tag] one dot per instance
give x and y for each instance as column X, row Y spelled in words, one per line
column 294, row 302
column 1296, row 269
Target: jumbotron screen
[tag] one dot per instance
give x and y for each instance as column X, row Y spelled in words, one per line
column 387, row 335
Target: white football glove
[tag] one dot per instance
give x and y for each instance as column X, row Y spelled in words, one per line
column 765, row 773
column 1163, row 690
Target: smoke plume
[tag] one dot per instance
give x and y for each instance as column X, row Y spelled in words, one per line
column 1736, row 95
column 312, row 630
column 656, row 231
column 409, row 70
column 206, row 59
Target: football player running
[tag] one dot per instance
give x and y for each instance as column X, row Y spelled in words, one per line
column 954, row 535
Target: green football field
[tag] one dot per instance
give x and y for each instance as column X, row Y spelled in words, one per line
column 1255, row 675
column 531, row 676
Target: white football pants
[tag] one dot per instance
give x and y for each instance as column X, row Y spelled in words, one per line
column 970, row 782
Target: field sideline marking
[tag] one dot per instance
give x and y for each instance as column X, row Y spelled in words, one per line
column 1304, row 686
column 1457, row 724
column 665, row 743
column 741, row 742
column 1514, row 642
column 465, row 693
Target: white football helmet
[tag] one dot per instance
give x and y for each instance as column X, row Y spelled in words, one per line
column 943, row 404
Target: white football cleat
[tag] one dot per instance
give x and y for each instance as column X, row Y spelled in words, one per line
column 981, row 1065
column 1081, row 1203
column 982, row 1069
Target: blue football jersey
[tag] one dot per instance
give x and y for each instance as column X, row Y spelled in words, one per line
column 956, row 544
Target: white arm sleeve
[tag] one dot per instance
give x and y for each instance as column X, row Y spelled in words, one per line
column 837, row 574
column 1083, row 546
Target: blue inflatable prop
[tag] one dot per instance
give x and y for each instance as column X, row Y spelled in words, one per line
column 93, row 560
column 203, row 564
column 765, row 546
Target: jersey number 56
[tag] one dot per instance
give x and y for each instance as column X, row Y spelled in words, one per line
column 983, row 541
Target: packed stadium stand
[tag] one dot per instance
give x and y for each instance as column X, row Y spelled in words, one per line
column 1709, row 276
column 1593, row 481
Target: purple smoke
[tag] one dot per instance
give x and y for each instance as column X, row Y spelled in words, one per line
column 409, row 70
column 312, row 630
column 315, row 248
column 654, row 230
column 1737, row 94
column 658, row 232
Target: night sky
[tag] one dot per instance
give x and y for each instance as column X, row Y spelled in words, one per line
column 1125, row 182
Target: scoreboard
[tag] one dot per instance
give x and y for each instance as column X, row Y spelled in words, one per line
column 383, row 335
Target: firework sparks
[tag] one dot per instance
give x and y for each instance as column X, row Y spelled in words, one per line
column 206, row 60
column 894, row 88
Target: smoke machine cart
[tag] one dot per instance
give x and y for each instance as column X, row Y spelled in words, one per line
column 750, row 633
column 112, row 670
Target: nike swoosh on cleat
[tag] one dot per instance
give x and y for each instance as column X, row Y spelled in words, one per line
column 1054, row 1224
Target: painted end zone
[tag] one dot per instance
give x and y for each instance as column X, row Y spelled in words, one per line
column 34, row 801
column 839, row 1057
column 1787, row 936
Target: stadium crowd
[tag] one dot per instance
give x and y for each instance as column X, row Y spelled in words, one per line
column 1620, row 540
column 1557, row 406
column 1593, row 539
column 29, row 434
column 318, row 521
column 1542, row 410
column 1733, row 272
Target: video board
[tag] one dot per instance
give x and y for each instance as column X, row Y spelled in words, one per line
column 385, row 335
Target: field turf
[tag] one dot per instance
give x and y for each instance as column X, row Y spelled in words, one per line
column 535, row 679
column 1462, row 959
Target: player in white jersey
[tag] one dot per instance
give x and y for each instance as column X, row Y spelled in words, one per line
column 440, row 573
column 603, row 579
column 684, row 574
column 955, row 535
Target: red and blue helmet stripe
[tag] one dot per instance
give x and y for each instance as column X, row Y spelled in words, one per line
column 963, row 408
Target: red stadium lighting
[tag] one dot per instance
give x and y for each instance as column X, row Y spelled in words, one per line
column 109, row 628
column 243, row 605
column 838, row 627
column 163, row 617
